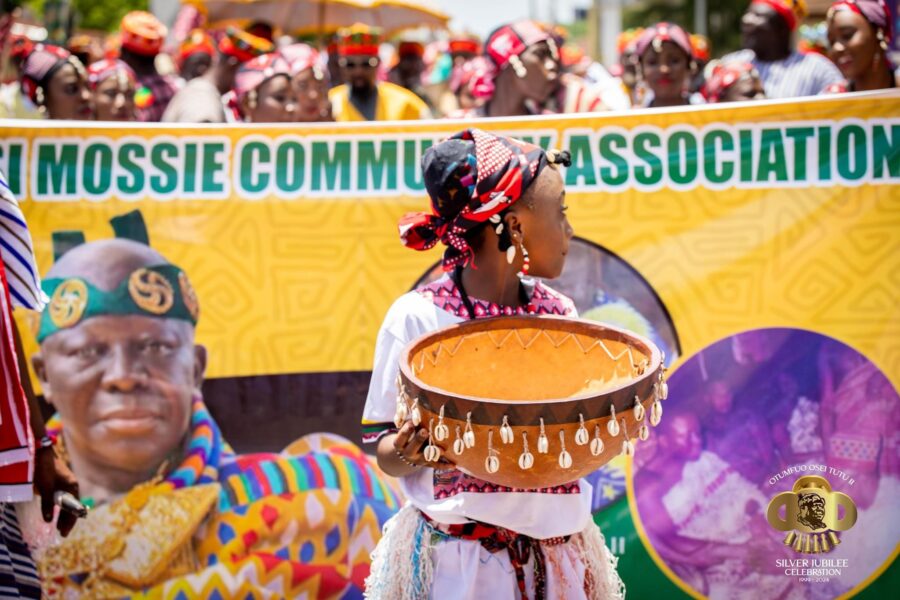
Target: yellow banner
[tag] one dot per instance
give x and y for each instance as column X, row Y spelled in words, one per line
column 775, row 213
column 755, row 243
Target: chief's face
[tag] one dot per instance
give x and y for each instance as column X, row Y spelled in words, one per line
column 123, row 387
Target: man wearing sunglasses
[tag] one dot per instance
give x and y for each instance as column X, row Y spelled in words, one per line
column 363, row 97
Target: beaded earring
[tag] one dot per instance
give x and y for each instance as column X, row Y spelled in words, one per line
column 516, row 63
column 526, row 261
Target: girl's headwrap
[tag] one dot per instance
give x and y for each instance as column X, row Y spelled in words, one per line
column 471, row 177
column 512, row 40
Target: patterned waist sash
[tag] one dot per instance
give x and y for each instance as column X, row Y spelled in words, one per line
column 496, row 539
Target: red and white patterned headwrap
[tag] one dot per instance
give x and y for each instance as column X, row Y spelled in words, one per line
column 469, row 177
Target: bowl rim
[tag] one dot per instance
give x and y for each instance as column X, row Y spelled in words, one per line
column 488, row 324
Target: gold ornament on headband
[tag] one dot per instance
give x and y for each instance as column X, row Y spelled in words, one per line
column 189, row 296
column 68, row 303
column 151, row 291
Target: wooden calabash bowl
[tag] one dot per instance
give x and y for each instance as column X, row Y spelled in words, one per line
column 521, row 401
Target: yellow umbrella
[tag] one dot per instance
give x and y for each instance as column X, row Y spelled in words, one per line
column 305, row 17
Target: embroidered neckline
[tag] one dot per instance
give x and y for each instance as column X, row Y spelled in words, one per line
column 446, row 295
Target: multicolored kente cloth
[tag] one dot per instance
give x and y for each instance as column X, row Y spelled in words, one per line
column 19, row 286
column 286, row 526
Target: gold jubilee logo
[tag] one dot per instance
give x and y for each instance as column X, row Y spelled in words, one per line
column 811, row 515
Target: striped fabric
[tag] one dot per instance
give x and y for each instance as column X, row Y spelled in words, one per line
column 18, row 574
column 16, row 443
column 18, row 253
column 797, row 75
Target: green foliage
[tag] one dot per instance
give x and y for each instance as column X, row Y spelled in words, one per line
column 723, row 19
column 99, row 15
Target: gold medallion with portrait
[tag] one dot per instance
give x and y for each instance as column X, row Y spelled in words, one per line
column 812, row 515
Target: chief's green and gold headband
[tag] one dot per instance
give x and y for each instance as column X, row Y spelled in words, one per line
column 158, row 291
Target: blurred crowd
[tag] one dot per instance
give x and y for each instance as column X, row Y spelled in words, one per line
column 521, row 68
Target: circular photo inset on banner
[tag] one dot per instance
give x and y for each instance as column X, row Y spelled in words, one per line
column 775, row 472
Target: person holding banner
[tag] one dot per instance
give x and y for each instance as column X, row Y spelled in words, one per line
column 363, row 98
column 176, row 513
column 57, row 83
column 499, row 203
column 766, row 30
column 113, row 84
column 859, row 35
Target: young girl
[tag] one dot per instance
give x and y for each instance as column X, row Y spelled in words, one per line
column 498, row 205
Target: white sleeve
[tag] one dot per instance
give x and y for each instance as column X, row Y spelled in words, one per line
column 404, row 322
